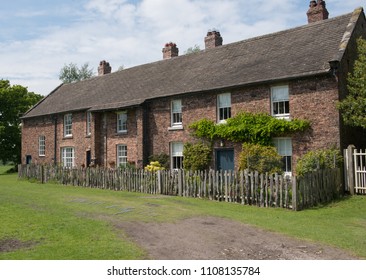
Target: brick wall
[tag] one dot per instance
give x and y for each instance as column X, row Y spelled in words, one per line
column 310, row 99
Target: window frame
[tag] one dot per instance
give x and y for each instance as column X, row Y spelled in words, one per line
column 287, row 155
column 122, row 124
column 223, row 112
column 42, row 145
column 280, row 104
column 68, row 125
column 88, row 123
column 176, row 113
column 66, row 159
column 176, row 158
column 121, row 155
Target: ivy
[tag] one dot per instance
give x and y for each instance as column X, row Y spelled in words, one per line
column 248, row 127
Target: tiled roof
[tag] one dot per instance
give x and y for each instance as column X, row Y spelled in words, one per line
column 297, row 52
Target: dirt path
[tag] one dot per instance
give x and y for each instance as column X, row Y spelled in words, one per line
column 205, row 238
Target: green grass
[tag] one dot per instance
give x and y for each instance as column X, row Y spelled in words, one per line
column 64, row 222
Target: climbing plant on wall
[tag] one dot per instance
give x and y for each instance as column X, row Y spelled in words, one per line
column 246, row 127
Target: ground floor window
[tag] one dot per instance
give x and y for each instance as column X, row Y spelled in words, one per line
column 121, row 155
column 284, row 148
column 176, row 155
column 68, row 156
column 42, row 145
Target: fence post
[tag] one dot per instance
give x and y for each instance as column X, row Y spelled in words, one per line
column 350, row 169
column 180, row 185
column 294, row 194
column 160, row 187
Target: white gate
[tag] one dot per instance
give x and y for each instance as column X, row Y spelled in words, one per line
column 355, row 170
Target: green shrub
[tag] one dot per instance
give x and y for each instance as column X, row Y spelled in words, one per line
column 196, row 156
column 318, row 159
column 260, row 158
column 154, row 166
column 162, row 158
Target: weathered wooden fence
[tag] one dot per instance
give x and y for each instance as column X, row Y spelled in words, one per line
column 355, row 170
column 248, row 188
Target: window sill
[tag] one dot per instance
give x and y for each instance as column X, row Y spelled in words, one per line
column 178, row 127
column 282, row 117
column 67, row 137
column 121, row 133
column 88, row 136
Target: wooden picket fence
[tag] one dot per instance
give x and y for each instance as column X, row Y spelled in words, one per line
column 247, row 188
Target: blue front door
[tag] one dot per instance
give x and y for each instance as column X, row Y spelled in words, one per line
column 225, row 159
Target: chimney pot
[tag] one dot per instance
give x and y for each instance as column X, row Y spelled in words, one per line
column 104, row 68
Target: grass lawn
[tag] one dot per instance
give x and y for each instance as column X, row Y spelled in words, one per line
column 61, row 222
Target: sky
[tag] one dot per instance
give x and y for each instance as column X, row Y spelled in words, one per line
column 39, row 37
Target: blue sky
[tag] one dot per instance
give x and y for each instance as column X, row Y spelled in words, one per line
column 39, row 37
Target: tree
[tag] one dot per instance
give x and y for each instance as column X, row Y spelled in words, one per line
column 14, row 102
column 72, row 73
column 353, row 107
column 194, row 49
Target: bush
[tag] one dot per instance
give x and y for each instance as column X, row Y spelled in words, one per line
column 318, row 159
column 154, row 166
column 162, row 158
column 196, row 156
column 255, row 157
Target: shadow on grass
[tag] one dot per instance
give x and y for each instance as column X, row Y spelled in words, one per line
column 343, row 198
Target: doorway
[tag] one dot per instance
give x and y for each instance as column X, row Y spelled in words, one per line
column 225, row 159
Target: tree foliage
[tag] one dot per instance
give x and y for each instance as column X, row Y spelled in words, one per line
column 72, row 73
column 353, row 107
column 318, row 159
column 194, row 49
column 248, row 127
column 196, row 156
column 256, row 157
column 14, row 102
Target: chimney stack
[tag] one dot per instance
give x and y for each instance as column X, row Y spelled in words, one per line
column 317, row 11
column 213, row 39
column 170, row 50
column 104, row 68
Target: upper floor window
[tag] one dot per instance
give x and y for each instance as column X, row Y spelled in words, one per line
column 280, row 101
column 223, row 107
column 68, row 156
column 176, row 155
column 121, row 155
column 122, row 121
column 284, row 148
column 176, row 113
column 68, row 125
column 88, row 123
column 42, row 145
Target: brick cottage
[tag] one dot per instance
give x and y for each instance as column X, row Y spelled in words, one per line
column 126, row 116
